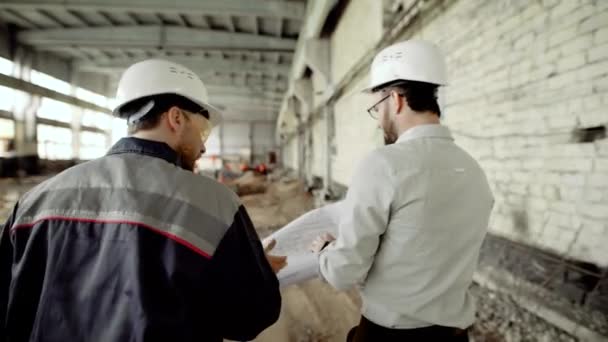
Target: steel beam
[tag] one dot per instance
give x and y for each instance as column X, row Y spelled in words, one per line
column 151, row 36
column 28, row 87
column 260, row 8
column 199, row 65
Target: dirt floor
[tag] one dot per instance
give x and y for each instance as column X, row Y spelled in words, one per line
column 11, row 189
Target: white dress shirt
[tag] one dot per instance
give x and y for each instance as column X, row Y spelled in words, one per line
column 410, row 232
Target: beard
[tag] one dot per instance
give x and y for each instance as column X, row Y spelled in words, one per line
column 390, row 133
column 188, row 156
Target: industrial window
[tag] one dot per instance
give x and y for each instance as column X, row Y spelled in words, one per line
column 7, row 96
column 92, row 118
column 90, row 96
column 7, row 133
column 50, row 82
column 92, row 145
column 55, row 110
column 6, row 66
column 54, row 142
column 119, row 129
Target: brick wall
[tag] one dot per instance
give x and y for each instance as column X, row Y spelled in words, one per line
column 523, row 76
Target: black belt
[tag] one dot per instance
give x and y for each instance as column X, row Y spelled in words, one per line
column 368, row 331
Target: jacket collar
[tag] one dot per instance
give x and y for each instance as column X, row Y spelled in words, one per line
column 146, row 147
column 426, row 131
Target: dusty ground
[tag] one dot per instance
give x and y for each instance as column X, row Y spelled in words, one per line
column 11, row 189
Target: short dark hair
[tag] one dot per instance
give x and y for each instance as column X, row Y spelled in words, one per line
column 420, row 96
column 161, row 104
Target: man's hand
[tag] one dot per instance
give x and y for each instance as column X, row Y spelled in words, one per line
column 321, row 242
column 276, row 262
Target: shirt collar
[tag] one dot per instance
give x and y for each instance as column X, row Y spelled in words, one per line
column 146, row 147
column 426, row 131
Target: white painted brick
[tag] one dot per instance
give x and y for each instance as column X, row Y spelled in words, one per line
column 578, row 44
column 570, row 193
column 551, row 192
column 592, row 102
column 596, row 21
column 533, row 164
column 563, row 79
column 521, row 177
column 591, row 118
column 594, row 227
column 570, row 62
column 591, row 71
column 524, row 41
column 569, row 150
column 594, row 195
column 602, row 147
column 550, row 178
column 563, row 207
column 600, row 85
column 599, row 211
column 502, row 176
column 550, row 3
column 600, row 165
column 563, row 10
column 597, row 53
column 598, row 180
column 515, row 199
column 562, row 36
column 518, row 188
column 538, row 204
column 560, row 220
column 535, row 189
column 562, row 121
column 569, row 164
column 576, row 179
column 574, row 18
column 600, row 36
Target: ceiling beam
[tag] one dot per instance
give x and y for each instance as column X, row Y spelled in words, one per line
column 261, row 8
column 251, row 82
column 244, row 108
column 241, row 115
column 199, row 65
column 215, row 90
column 151, row 36
column 230, row 99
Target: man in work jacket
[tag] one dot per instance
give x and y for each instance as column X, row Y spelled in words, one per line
column 416, row 212
column 134, row 246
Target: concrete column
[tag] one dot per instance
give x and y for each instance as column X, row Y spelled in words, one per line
column 221, row 138
column 329, row 149
column 77, row 114
column 25, row 112
column 251, row 143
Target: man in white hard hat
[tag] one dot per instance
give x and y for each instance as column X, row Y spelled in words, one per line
column 134, row 246
column 415, row 214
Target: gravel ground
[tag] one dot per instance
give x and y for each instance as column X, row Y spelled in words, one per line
column 500, row 318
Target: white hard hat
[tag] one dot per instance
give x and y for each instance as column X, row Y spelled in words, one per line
column 155, row 77
column 411, row 60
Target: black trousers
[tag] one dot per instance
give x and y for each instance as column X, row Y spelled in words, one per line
column 368, row 331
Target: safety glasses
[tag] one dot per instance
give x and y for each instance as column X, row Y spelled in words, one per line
column 373, row 110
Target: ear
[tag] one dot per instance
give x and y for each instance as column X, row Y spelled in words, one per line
column 174, row 118
column 398, row 100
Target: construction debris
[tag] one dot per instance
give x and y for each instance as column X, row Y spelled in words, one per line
column 283, row 201
column 249, row 183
